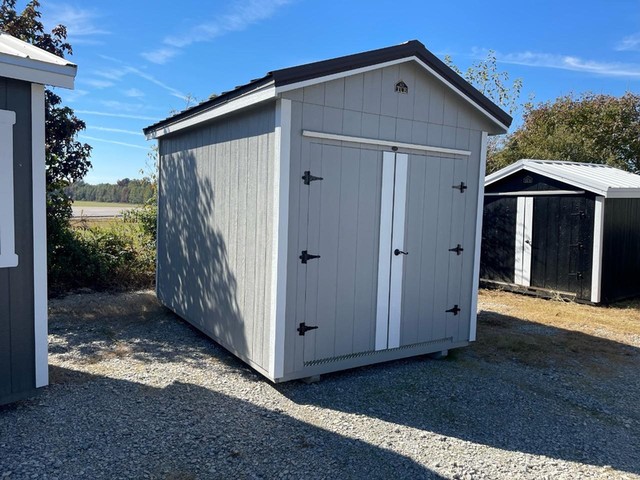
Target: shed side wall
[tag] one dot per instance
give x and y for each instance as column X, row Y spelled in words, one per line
column 367, row 105
column 621, row 244
column 214, row 237
column 17, row 349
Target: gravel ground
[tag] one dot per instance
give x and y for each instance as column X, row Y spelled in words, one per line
column 137, row 393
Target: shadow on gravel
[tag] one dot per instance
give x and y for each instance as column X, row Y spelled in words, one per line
column 90, row 426
column 522, row 387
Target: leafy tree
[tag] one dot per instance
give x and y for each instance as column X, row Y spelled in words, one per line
column 66, row 158
column 589, row 128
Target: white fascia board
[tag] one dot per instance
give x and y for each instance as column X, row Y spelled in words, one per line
column 280, row 235
column 622, row 193
column 39, row 235
column 534, row 193
column 503, row 172
column 254, row 97
column 37, row 72
column 384, row 143
column 356, row 71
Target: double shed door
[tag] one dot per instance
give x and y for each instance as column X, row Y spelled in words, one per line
column 360, row 294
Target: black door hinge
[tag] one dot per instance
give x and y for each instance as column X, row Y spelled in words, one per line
column 453, row 310
column 578, row 275
column 307, row 256
column 579, row 245
column 580, row 214
column 462, row 187
column 458, row 249
column 307, row 178
column 304, row 328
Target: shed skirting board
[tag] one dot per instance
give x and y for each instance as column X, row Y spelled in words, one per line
column 280, row 227
column 8, row 257
column 473, row 314
column 39, row 234
column 384, row 143
column 596, row 261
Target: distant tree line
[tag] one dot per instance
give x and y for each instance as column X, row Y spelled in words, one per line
column 137, row 191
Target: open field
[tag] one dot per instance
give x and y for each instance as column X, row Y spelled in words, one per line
column 549, row 390
column 100, row 209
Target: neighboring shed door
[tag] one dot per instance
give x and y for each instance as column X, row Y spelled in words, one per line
column 360, row 293
column 497, row 260
column 563, row 244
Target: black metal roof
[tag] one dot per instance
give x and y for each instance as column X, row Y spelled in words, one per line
column 300, row 73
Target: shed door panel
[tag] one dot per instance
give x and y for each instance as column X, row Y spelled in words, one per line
column 343, row 221
column 435, row 221
column 497, row 260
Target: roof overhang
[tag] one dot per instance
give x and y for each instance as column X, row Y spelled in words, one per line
column 602, row 190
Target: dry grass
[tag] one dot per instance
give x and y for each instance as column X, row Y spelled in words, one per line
column 549, row 333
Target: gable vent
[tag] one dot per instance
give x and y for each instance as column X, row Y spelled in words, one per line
column 401, row 87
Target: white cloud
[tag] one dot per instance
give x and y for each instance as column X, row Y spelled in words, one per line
column 632, row 42
column 115, row 130
column 120, row 72
column 241, row 15
column 114, row 142
column 134, row 93
column 566, row 62
column 123, row 106
column 161, row 55
column 117, row 115
column 82, row 24
column 97, row 83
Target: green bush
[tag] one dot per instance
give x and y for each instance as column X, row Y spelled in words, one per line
column 118, row 255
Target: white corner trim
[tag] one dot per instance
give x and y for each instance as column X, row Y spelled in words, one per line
column 39, row 235
column 280, row 225
column 598, row 240
column 384, row 250
column 397, row 241
column 254, row 97
column 8, row 257
column 383, row 143
column 473, row 326
column 524, row 234
column 37, row 72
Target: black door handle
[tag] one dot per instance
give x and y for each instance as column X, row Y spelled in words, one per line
column 397, row 252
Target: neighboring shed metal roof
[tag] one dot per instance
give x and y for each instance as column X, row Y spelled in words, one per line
column 23, row 61
column 296, row 77
column 602, row 180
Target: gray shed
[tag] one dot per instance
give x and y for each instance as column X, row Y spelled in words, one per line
column 24, row 70
column 327, row 216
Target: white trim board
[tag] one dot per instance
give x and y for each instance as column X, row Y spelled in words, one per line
column 8, row 257
column 524, row 234
column 37, row 75
column 473, row 323
column 535, row 193
column 384, row 250
column 39, row 235
column 398, row 241
column 279, row 254
column 598, row 239
column 383, row 143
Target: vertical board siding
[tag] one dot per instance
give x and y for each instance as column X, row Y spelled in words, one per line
column 214, row 240
column 367, row 105
column 17, row 348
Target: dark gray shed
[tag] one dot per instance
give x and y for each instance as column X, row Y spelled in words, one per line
column 326, row 216
column 24, row 69
column 564, row 228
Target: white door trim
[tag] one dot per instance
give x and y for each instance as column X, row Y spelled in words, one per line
column 524, row 235
column 598, row 239
column 8, row 257
column 397, row 241
column 384, row 250
column 39, row 235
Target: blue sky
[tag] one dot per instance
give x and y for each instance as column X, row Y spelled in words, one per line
column 140, row 60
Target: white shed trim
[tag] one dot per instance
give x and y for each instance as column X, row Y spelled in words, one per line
column 357, row 71
column 383, row 143
column 39, row 234
column 598, row 238
column 478, row 242
column 279, row 254
column 535, row 193
column 384, row 250
column 397, row 241
column 524, row 232
column 8, row 257
column 254, row 97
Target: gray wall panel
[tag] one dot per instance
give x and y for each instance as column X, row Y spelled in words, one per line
column 214, row 233
column 17, row 372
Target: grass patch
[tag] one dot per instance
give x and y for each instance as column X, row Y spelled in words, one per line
column 86, row 203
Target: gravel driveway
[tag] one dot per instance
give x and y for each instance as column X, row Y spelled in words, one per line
column 137, row 393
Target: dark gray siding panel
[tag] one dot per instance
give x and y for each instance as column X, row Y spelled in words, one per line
column 621, row 247
column 214, row 230
column 17, row 349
